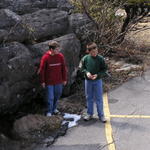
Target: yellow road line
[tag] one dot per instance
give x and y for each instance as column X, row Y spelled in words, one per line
column 108, row 128
column 129, row 116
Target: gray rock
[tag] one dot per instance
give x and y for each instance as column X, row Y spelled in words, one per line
column 19, row 32
column 36, row 127
column 64, row 5
column 45, row 23
column 78, row 20
column 17, row 69
column 8, row 18
column 3, row 35
column 30, row 6
column 80, row 24
column 10, row 25
column 6, row 3
column 27, row 6
column 39, row 25
column 13, row 145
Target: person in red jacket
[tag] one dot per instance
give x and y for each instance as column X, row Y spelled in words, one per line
column 53, row 75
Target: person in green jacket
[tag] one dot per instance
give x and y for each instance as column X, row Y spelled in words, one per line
column 94, row 68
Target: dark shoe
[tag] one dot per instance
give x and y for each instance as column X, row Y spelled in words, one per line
column 103, row 119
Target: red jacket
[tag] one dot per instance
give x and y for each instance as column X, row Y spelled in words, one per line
column 53, row 69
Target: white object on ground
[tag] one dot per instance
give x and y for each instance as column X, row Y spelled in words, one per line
column 71, row 123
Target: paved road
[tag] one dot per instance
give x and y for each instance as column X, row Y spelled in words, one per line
column 129, row 107
column 128, row 128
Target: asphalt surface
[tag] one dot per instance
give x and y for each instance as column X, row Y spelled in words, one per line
column 127, row 109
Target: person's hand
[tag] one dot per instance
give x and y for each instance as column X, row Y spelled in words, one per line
column 43, row 85
column 94, row 76
column 88, row 74
column 65, row 82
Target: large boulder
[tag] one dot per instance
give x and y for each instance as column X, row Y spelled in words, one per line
column 11, row 28
column 80, row 24
column 3, row 34
column 77, row 21
column 64, row 5
column 8, row 18
column 27, row 6
column 13, row 145
column 30, row 6
column 39, row 25
column 17, row 69
column 35, row 127
column 44, row 23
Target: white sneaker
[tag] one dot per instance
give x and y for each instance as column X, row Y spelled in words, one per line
column 103, row 119
column 56, row 112
column 48, row 114
column 87, row 117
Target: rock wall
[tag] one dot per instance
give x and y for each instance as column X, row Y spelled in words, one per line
column 26, row 27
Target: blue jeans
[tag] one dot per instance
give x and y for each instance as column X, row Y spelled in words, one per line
column 53, row 93
column 94, row 91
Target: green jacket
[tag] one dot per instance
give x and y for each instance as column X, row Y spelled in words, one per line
column 94, row 65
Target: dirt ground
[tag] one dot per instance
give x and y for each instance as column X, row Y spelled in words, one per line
column 134, row 52
column 125, row 63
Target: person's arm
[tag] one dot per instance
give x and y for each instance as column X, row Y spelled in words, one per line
column 84, row 68
column 83, row 65
column 42, row 71
column 103, row 69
